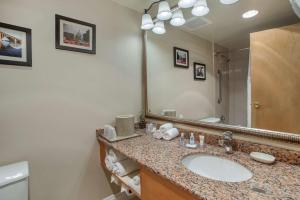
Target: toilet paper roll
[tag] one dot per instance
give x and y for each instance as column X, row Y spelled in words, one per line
column 125, row 125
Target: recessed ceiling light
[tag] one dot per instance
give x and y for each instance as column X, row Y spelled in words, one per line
column 228, row 1
column 250, row 14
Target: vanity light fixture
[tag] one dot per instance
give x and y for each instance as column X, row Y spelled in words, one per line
column 147, row 22
column 250, row 14
column 177, row 18
column 159, row 28
column 186, row 3
column 164, row 11
column 228, row 2
column 200, row 8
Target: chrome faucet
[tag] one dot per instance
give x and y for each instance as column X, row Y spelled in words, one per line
column 227, row 142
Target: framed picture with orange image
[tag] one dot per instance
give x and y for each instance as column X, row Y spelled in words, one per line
column 181, row 57
column 75, row 35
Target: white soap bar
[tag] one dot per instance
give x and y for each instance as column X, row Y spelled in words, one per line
column 262, row 157
column 192, row 146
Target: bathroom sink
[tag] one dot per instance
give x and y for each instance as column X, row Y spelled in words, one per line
column 217, row 168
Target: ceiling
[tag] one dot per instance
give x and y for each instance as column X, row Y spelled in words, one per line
column 224, row 24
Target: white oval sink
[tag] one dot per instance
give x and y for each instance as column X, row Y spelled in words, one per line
column 217, row 168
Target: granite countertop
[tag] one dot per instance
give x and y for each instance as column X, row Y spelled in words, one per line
column 279, row 181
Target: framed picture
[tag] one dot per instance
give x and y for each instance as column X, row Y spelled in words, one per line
column 181, row 57
column 199, row 71
column 75, row 35
column 15, row 45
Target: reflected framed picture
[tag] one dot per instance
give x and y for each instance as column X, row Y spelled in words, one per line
column 181, row 57
column 199, row 71
column 75, row 35
column 15, row 45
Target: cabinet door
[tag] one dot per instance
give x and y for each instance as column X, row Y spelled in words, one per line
column 154, row 187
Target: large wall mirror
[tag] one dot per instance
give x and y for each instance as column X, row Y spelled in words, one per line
column 229, row 67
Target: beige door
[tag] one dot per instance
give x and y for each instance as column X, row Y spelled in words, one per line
column 275, row 63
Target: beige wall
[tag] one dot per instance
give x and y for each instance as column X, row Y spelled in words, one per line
column 49, row 113
column 171, row 87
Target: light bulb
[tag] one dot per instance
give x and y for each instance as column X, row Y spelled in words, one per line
column 186, row 3
column 147, row 22
column 177, row 18
column 159, row 28
column 164, row 11
column 200, row 8
column 228, row 2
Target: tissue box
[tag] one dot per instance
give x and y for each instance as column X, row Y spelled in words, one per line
column 125, row 125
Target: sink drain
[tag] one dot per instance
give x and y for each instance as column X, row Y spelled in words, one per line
column 259, row 190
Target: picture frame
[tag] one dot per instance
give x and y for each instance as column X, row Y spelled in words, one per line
column 74, row 35
column 181, row 57
column 15, row 45
column 199, row 71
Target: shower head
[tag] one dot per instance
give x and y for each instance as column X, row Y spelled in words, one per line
column 221, row 55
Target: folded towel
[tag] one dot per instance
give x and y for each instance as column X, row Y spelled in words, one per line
column 116, row 156
column 125, row 167
column 136, row 180
column 109, row 163
column 109, row 132
column 158, row 134
column 163, row 128
column 115, row 169
column 171, row 134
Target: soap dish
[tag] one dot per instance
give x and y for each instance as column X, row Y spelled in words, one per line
column 262, row 157
column 191, row 146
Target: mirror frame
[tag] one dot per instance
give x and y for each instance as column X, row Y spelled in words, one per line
column 284, row 136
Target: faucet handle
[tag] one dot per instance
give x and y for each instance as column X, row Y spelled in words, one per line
column 221, row 143
column 228, row 135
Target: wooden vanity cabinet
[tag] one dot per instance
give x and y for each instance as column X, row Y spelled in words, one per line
column 154, row 187
column 102, row 154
